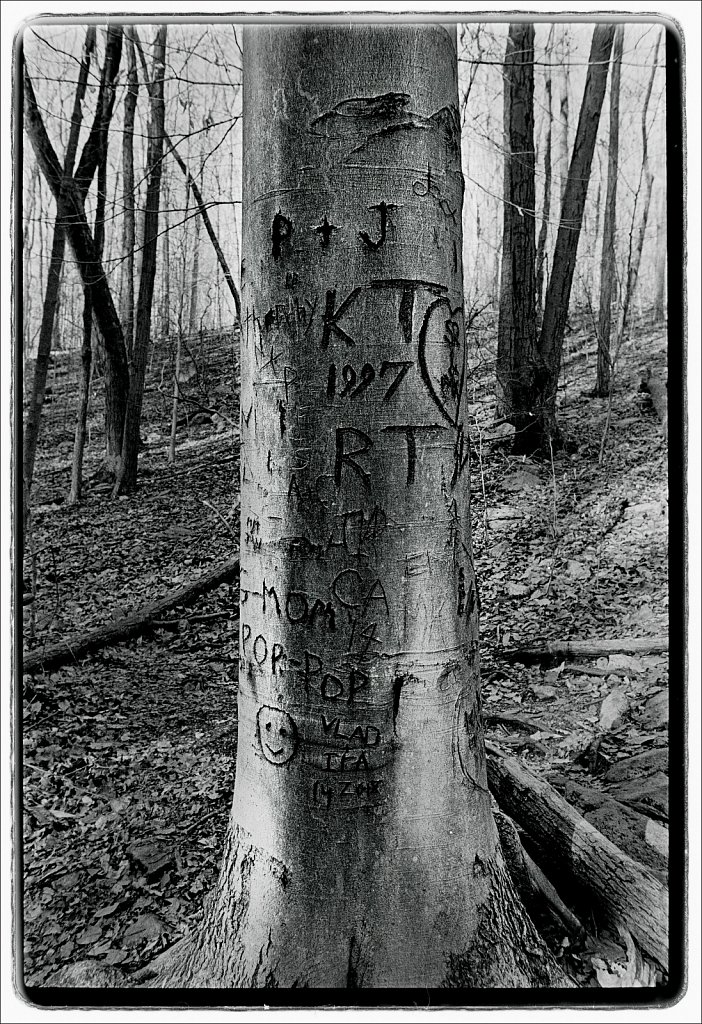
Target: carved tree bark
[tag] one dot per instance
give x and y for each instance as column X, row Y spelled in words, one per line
column 609, row 237
column 362, row 850
column 517, row 354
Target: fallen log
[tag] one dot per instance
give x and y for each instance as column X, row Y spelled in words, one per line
column 623, row 890
column 131, row 625
column 529, row 880
column 585, row 648
column 639, row 836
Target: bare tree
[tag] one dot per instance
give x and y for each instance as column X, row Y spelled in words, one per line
column 127, row 473
column 636, row 244
column 517, row 355
column 564, row 110
column 129, row 236
column 197, row 196
column 72, row 192
column 548, row 170
column 87, row 343
column 561, row 280
column 609, row 236
column 31, row 431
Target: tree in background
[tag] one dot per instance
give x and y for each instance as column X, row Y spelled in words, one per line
column 532, row 408
column 609, row 234
column 129, row 235
column 190, row 88
column 124, row 377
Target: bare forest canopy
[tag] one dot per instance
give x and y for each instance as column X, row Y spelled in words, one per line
column 202, row 97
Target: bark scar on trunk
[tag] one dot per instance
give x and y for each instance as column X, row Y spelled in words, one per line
column 281, row 230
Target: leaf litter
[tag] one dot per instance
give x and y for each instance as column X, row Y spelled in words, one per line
column 129, row 756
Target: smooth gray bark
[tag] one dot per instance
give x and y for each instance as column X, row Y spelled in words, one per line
column 362, row 850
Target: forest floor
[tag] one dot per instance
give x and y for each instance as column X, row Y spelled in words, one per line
column 129, row 754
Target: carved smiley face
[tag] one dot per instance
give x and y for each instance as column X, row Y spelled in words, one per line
column 277, row 734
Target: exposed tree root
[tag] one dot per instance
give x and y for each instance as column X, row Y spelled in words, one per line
column 530, row 882
column 625, row 891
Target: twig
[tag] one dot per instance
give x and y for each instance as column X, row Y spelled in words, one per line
column 218, row 513
column 201, row 821
column 175, row 623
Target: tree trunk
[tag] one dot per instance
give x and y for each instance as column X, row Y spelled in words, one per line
column 73, row 648
column 197, row 196
column 127, row 473
column 608, row 266
column 41, row 365
column 166, row 273
column 194, row 284
column 129, row 238
column 563, row 267
column 546, row 213
column 176, row 394
column 72, row 192
column 362, row 850
column 86, row 353
column 518, row 370
column 636, row 243
column 31, row 433
column 564, row 111
column 86, row 360
column 595, row 648
column 29, row 205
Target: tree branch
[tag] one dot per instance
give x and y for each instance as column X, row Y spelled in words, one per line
column 197, row 195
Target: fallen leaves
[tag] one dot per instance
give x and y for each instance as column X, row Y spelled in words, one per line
column 129, row 769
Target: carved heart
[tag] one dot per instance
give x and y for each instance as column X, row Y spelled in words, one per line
column 442, row 356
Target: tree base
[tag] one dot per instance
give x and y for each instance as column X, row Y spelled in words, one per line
column 239, row 946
